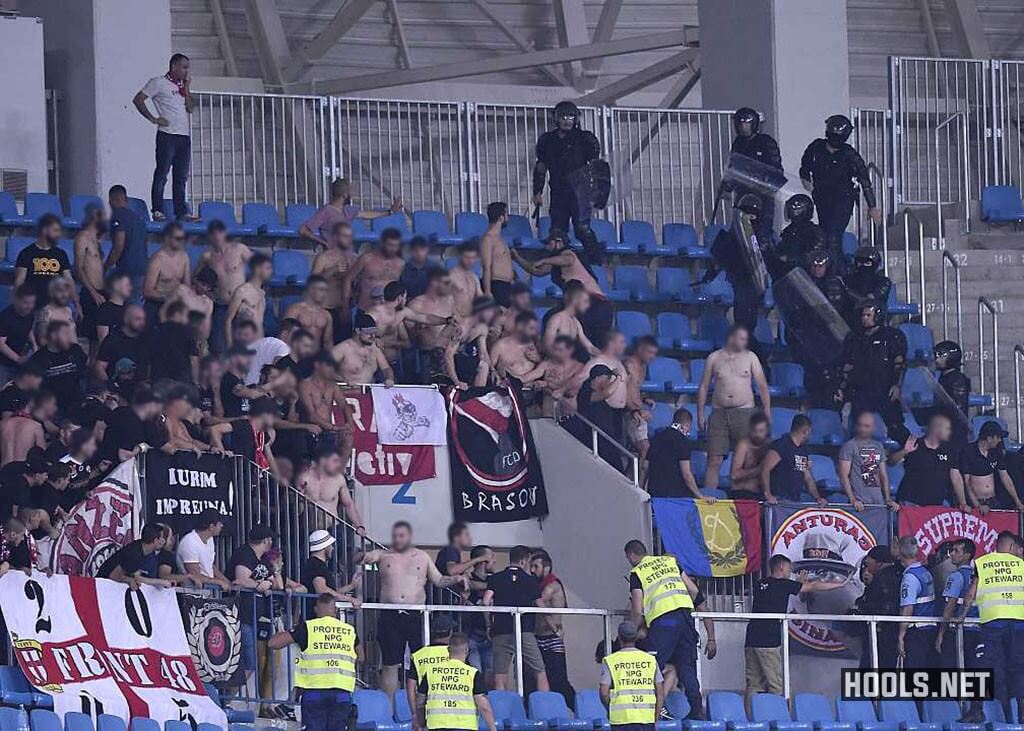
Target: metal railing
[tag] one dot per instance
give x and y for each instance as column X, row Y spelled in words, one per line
column 964, row 194
column 872, row 130
column 908, row 214
column 1018, row 353
column 875, row 173
column 986, row 305
column 573, row 421
column 949, row 260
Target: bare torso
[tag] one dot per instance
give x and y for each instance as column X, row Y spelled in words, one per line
column 428, row 337
column 554, row 597
column 172, row 268
column 320, row 397
column 404, row 576
column 331, row 264
column 357, row 363
column 617, row 397
column 511, row 357
column 753, row 457
column 563, row 323
column 229, row 264
column 252, row 305
column 465, row 286
column 731, row 373
column 18, row 434
column 378, row 271
column 574, row 269
column 501, row 259
column 324, row 490
column 312, row 318
column 89, row 260
column 390, row 330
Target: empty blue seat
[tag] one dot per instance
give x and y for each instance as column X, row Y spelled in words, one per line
column 633, row 324
column 68, row 247
column 895, row 472
column 674, row 331
column 15, row 245
column 823, row 470
column 509, row 713
column 469, row 225
column 862, row 713
column 44, row 720
column 76, row 209
column 916, row 391
column 402, row 711
column 519, row 231
column 636, row 281
column 718, row 290
column 905, row 714
column 817, row 709
column 947, row 713
column 375, row 711
column 138, row 724
column 591, row 709
column 675, row 285
column 724, row 705
column 605, row 233
column 895, row 307
column 392, row 220
column 263, row 217
column 8, row 207
column 290, row 268
column 434, row 226
column 37, row 204
column 208, row 727
column 108, row 722
column 638, row 236
column 919, row 342
column 681, row 239
column 789, row 377
column 550, row 707
column 771, row 708
column 826, row 427
column 661, row 416
column 8, row 718
column 1001, row 204
column 16, row 691
column 82, row 722
column 696, row 373
column 296, row 214
column 849, row 244
column 713, row 326
column 616, row 294
column 210, row 211
column 664, row 375
column 781, row 420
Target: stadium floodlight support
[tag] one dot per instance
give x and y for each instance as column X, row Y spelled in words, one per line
column 606, row 95
column 443, row 72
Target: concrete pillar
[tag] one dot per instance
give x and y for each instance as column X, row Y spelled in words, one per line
column 786, row 58
column 23, row 115
column 99, row 53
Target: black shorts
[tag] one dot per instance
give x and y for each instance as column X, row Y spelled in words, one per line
column 341, row 323
column 397, row 628
column 89, row 308
column 502, row 292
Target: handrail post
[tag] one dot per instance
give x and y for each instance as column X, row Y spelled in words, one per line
column 962, row 124
column 908, row 285
column 786, row 670
column 985, row 304
column 517, row 621
column 1018, row 353
column 948, row 260
column 875, row 171
column 873, row 633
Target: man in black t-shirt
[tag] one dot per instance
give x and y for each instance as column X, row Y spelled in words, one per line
column 983, row 466
column 27, row 381
column 235, row 396
column 786, row 470
column 39, row 263
column 110, row 314
column 248, row 570
column 592, row 403
column 63, row 363
column 123, row 357
column 16, row 323
column 130, row 426
column 18, row 482
column 317, row 576
column 172, row 346
column 131, row 564
column 668, row 460
column 931, row 471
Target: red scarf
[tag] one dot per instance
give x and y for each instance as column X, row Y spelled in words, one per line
column 547, row 580
column 259, row 437
column 180, row 83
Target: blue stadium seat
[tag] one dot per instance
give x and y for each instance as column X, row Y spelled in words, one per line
column 176, row 726
column 151, row 248
column 392, row 220
column 895, row 472
column 402, row 711
column 108, row 722
column 363, row 233
column 234, row 715
column 766, row 338
column 76, row 207
column 850, row 244
column 789, row 377
column 947, row 713
column 638, row 236
column 724, row 705
column 817, row 709
column 862, row 713
column 208, row 727
column 519, row 231
column 509, row 713
column 605, row 233
column 781, row 420
column 676, row 285
column 713, row 326
column 633, row 324
column 543, row 286
column 615, row 295
column 905, row 714
column 910, row 422
column 375, row 711
column 661, row 416
column 664, row 375
column 469, row 225
column 895, row 307
column 83, row 722
column 68, row 247
column 823, row 470
column 16, row 691
column 191, row 227
column 434, row 226
column 36, row 204
column 771, row 708
column 15, row 245
column 978, row 421
column 541, row 312
column 1001, row 204
column 5, row 296
column 590, row 709
column 8, row 207
column 8, row 719
column 919, row 342
column 194, row 254
column 711, row 233
column 296, row 214
column 290, row 268
column 681, row 239
column 550, row 707
column 635, row 279
column 718, row 290
column 696, row 373
column 917, row 389
column 674, row 331
column 698, row 463
column 44, row 720
column 826, row 427
column 263, row 217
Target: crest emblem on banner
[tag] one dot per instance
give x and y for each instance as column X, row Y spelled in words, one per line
column 30, row 657
column 215, row 639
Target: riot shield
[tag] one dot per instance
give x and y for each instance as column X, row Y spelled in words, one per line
column 754, row 176
column 750, row 249
column 810, row 318
column 941, row 400
column 592, row 182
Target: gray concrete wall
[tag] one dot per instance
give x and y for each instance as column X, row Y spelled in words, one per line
column 23, row 115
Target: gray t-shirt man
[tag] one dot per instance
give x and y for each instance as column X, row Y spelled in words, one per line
column 867, row 460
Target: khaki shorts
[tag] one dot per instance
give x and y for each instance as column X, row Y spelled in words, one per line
column 635, row 434
column 764, row 669
column 504, row 648
column 726, row 427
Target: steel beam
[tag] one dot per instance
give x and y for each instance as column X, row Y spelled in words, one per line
column 683, row 86
column 402, row 42
column 968, row 28
column 513, row 35
column 571, row 24
column 346, row 17
column 220, row 26
column 603, row 32
column 638, row 80
column 271, row 41
column 512, row 62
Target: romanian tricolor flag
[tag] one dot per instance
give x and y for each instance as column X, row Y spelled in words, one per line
column 711, row 539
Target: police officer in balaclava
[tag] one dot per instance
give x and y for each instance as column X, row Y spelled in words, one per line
column 948, row 362
column 866, row 281
column 751, row 142
column 802, row 235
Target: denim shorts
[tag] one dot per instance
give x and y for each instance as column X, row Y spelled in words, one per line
column 248, row 647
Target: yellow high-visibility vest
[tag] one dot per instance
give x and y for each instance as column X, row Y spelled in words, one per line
column 632, row 698
column 329, row 660
column 450, row 701
column 426, row 656
column 662, row 583
column 1000, row 593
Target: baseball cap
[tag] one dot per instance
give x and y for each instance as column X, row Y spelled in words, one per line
column 364, row 321
column 601, row 370
column 483, row 302
column 260, row 532
column 239, row 349
column 319, row 540
column 992, row 429
column 628, row 631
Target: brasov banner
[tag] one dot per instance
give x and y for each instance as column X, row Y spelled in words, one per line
column 179, row 486
column 825, row 544
column 407, row 416
column 934, row 525
column 384, row 464
column 711, row 539
column 214, row 635
column 98, row 646
column 496, row 474
column 106, row 520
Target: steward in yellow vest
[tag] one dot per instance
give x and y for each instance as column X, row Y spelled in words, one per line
column 441, row 626
column 325, row 668
column 998, row 592
column 662, row 597
column 455, row 692
column 632, row 685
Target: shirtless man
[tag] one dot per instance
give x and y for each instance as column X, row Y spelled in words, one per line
column 732, row 405
column 318, row 396
column 563, row 374
column 197, row 297
column 312, row 312
column 58, row 306
column 228, row 260
column 249, row 302
column 465, row 284
column 392, row 316
column 746, row 463
column 549, row 626
column 565, row 266
column 324, row 483
column 360, row 358
column 645, row 350
column 566, row 321
column 611, row 356
column 979, row 463
column 519, row 301
column 23, row 429
column 89, row 268
column 168, row 268
column 374, row 269
column 517, row 355
column 495, row 257
column 404, row 571
column 464, row 357
column 437, row 301
column 332, row 263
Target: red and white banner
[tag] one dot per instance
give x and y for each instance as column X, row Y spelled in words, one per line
column 384, row 464
column 98, row 646
column 406, row 415
column 934, row 525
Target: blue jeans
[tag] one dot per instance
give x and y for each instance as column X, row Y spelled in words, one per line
column 173, row 154
column 481, row 655
column 248, row 647
column 327, row 710
column 218, row 339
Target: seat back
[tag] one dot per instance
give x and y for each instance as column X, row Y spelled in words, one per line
column 603, row 230
column 919, row 341
column 15, row 245
column 373, row 705
column 638, row 233
column 673, row 325
column 812, row 708
column 8, row 719
column 426, row 223
column 290, row 264
column 208, row 727
column 13, row 680
column 176, row 726
column 469, row 224
column 546, row 705
column 43, row 720
column 217, row 211
column 403, row 712
column 768, row 707
column 632, row 278
column 8, row 206
column 724, row 705
column 661, row 416
column 677, row 704
column 916, row 390
column 296, row 214
column 392, row 220
column 633, row 324
column 826, row 426
column 713, row 326
column 673, row 281
column 823, row 470
column 941, row 711
column 36, row 204
column 260, row 214
column 666, row 370
column 898, row 711
column 144, row 724
column 589, row 706
column 78, row 203
column 787, row 375
column 507, row 706
column 108, row 722
column 518, row 227
column 782, row 418
column 1001, row 202
column 679, row 236
column 697, row 370
column 855, row 711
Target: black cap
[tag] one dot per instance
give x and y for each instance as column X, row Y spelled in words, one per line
column 36, row 461
column 882, row 554
column 215, row 225
column 260, row 532
column 239, row 349
column 992, row 428
column 601, row 370
column 209, row 517
column 364, row 321
column 262, row 406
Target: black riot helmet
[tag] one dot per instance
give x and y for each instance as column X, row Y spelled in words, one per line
column 819, row 258
column 867, row 259
column 875, row 308
column 566, row 109
column 838, row 129
column 799, row 208
column 749, row 203
column 950, row 353
column 746, row 121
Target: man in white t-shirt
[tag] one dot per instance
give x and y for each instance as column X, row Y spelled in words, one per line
column 197, row 552
column 172, row 96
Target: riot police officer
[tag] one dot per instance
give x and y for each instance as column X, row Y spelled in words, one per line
column 865, row 281
column 874, row 362
column 821, row 373
column 728, row 254
column 751, row 142
column 560, row 152
column 948, row 359
column 802, row 235
column 827, row 169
